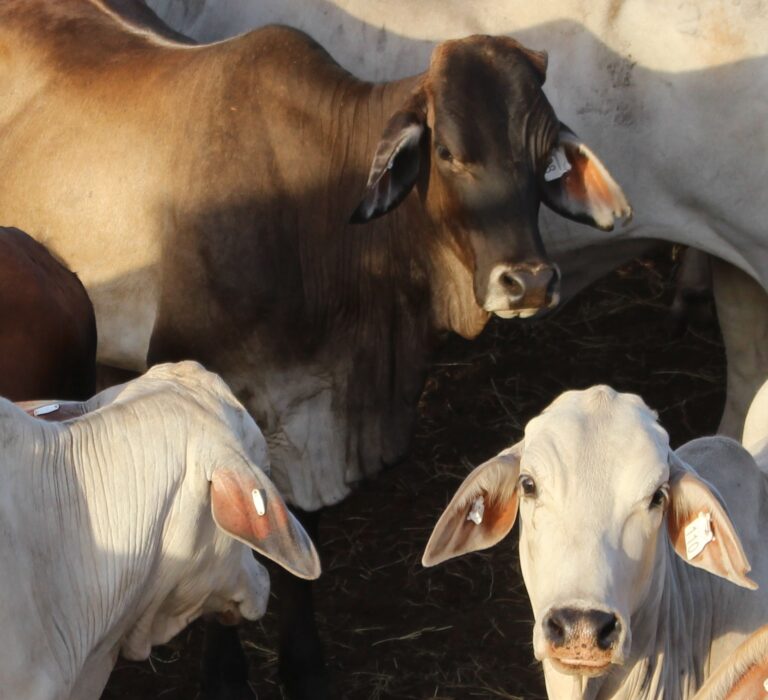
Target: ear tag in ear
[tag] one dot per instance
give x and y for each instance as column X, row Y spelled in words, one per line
column 558, row 165
column 45, row 410
column 765, row 685
column 476, row 511
column 698, row 534
column 258, row 501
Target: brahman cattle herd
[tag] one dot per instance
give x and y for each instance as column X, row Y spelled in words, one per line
column 246, row 206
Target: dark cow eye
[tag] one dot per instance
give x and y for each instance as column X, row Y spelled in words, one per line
column 443, row 153
column 659, row 498
column 527, row 486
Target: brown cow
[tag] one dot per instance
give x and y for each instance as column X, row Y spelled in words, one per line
column 216, row 184
column 47, row 325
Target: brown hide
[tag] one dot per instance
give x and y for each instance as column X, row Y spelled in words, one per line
column 237, row 166
column 47, row 326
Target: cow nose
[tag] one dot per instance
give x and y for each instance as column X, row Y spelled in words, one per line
column 569, row 627
column 529, row 285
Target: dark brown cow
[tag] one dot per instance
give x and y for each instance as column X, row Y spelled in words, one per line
column 47, row 325
column 216, row 184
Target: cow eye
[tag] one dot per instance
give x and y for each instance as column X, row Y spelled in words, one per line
column 659, row 498
column 527, row 485
column 443, row 153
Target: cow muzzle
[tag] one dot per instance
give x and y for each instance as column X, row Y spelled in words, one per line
column 522, row 290
column 583, row 642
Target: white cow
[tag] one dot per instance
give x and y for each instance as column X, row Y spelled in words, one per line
column 617, row 534
column 121, row 526
column 673, row 95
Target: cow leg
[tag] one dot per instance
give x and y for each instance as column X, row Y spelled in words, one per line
column 742, row 310
column 302, row 662
column 692, row 305
column 225, row 668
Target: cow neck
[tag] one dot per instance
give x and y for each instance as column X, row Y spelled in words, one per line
column 437, row 253
column 98, row 580
column 402, row 262
column 46, row 484
column 385, row 261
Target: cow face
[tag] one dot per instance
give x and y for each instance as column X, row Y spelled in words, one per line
column 244, row 503
column 601, row 498
column 486, row 148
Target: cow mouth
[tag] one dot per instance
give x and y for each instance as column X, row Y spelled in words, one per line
column 230, row 617
column 516, row 313
column 581, row 667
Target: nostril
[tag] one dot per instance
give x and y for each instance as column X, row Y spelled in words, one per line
column 608, row 633
column 512, row 284
column 554, row 630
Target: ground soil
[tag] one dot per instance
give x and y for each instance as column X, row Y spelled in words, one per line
column 394, row 630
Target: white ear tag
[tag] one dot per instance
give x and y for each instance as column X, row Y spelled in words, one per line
column 45, row 410
column 258, row 501
column 476, row 511
column 765, row 685
column 698, row 534
column 558, row 165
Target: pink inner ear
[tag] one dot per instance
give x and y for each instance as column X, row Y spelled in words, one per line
column 232, row 505
column 500, row 516
column 723, row 556
column 584, row 182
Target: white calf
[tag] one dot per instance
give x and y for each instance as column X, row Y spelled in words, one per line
column 122, row 525
column 617, row 534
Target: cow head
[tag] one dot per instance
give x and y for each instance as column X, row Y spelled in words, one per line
column 599, row 493
column 226, row 500
column 485, row 146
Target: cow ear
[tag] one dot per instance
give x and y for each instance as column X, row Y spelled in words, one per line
column 743, row 675
column 699, row 527
column 247, row 506
column 395, row 166
column 578, row 186
column 481, row 513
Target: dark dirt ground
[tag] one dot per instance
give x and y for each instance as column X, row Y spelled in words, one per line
column 462, row 630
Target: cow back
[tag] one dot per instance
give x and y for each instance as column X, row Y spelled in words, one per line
column 47, row 325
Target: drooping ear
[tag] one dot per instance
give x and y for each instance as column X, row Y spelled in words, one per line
column 578, row 186
column 396, row 164
column 743, row 674
column 699, row 527
column 482, row 511
column 247, row 506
